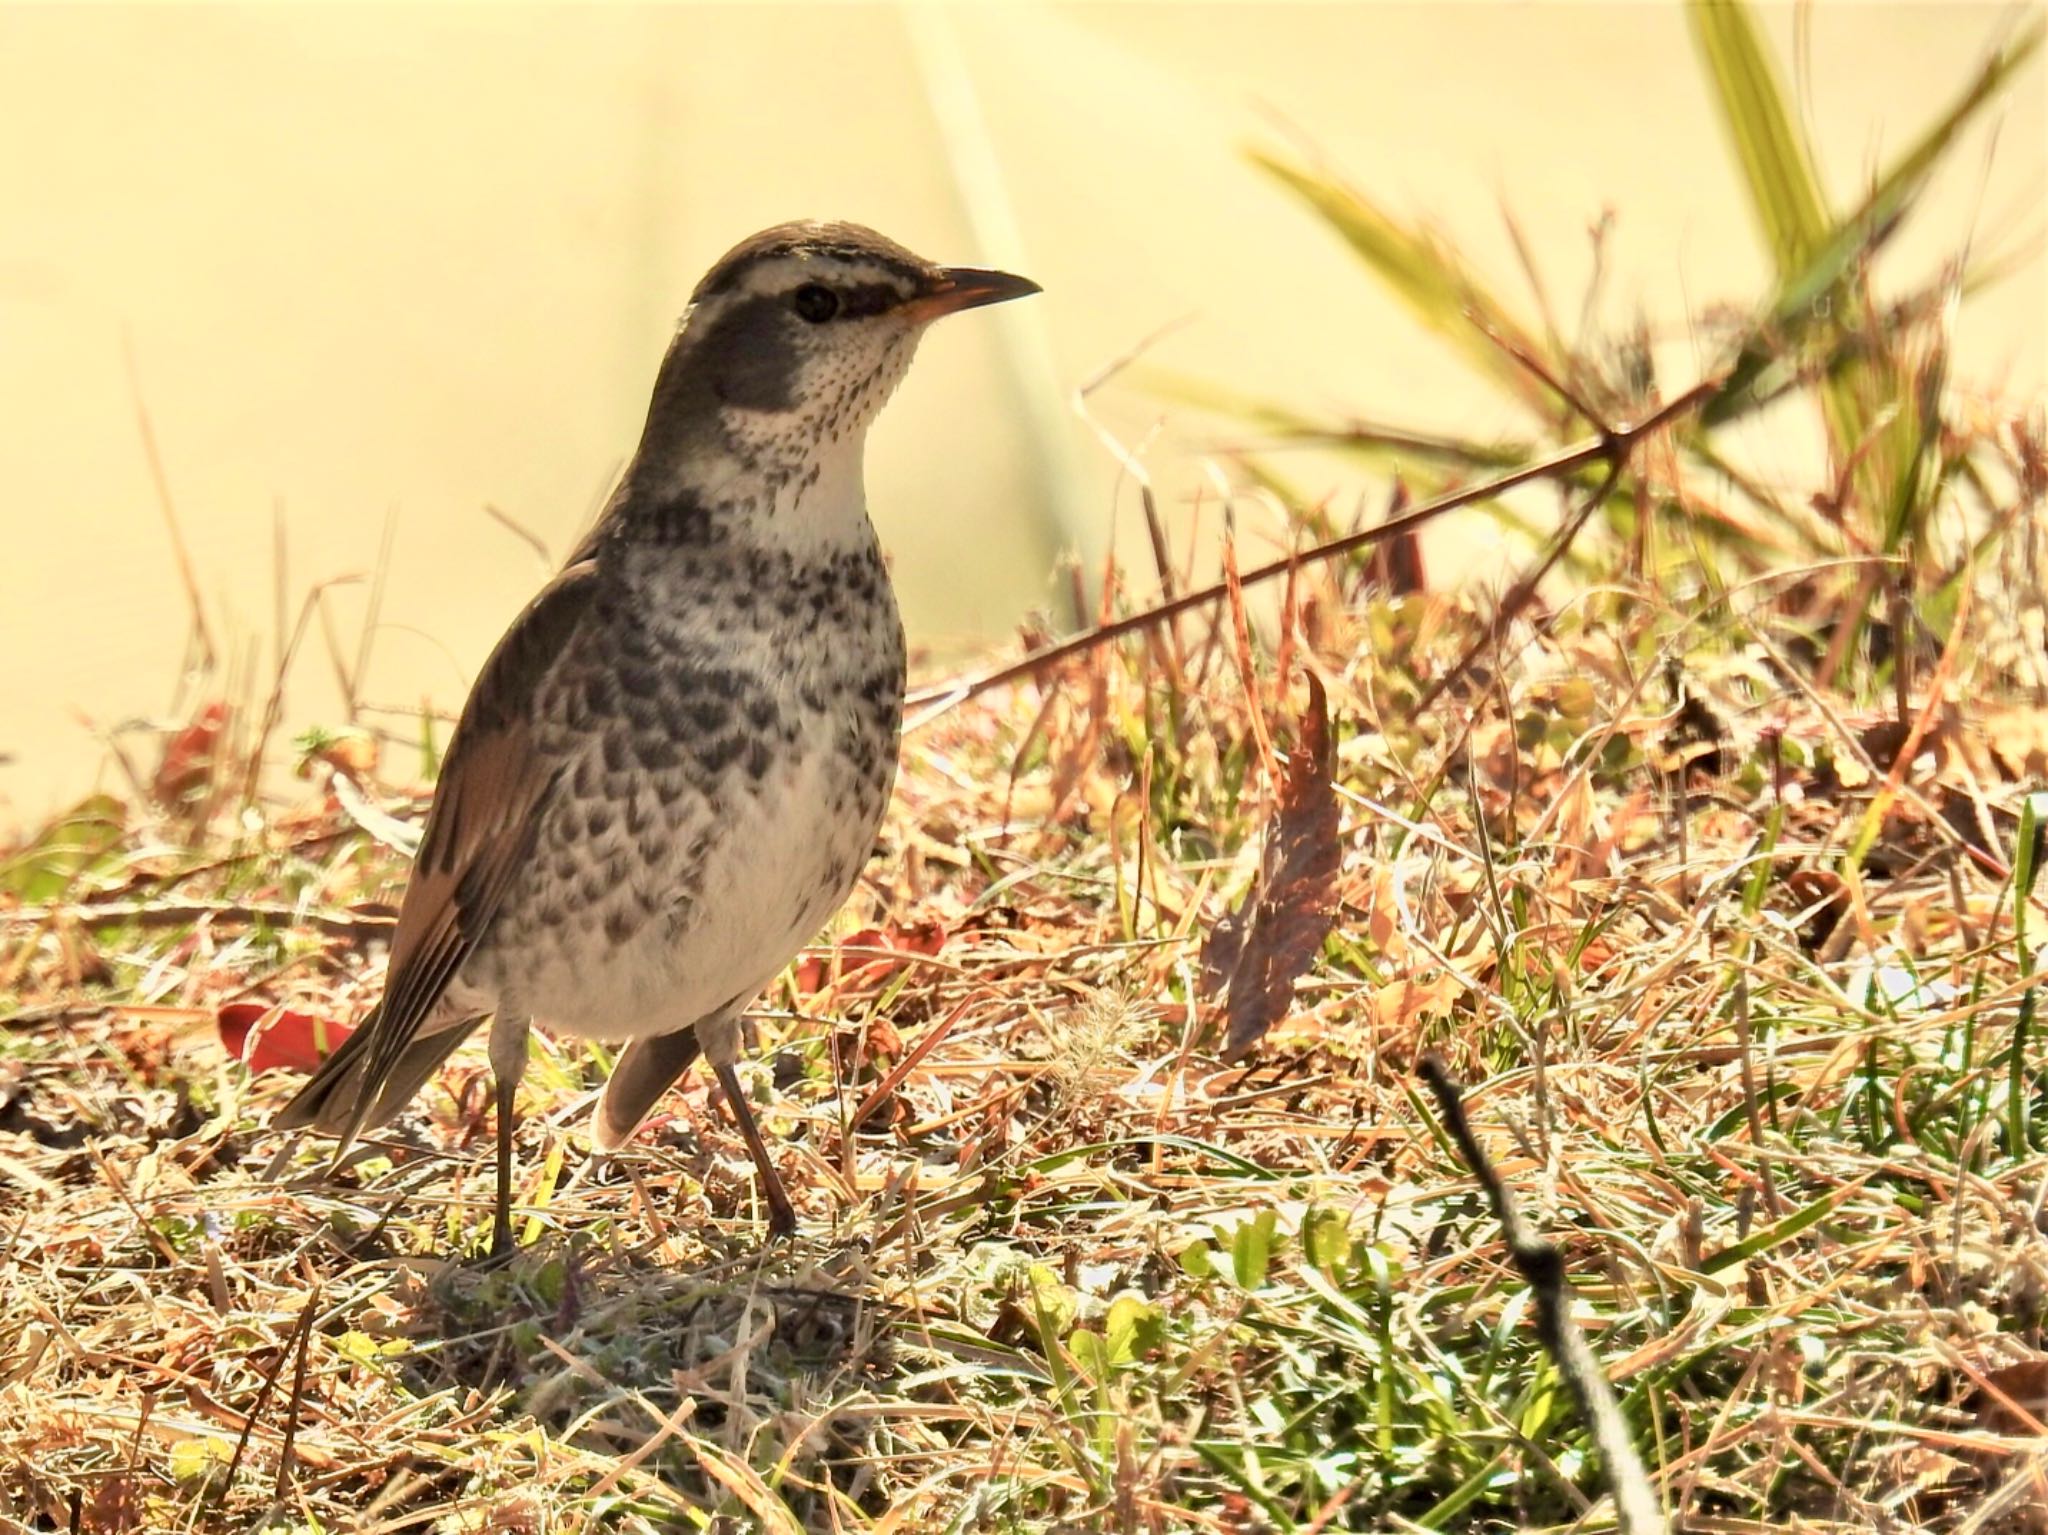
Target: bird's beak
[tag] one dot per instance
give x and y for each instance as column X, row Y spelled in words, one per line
column 966, row 287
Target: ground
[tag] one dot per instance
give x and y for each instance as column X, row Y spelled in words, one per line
column 1062, row 1267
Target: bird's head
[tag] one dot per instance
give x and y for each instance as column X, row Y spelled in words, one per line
column 802, row 332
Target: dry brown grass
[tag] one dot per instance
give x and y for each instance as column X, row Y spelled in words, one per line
column 1070, row 1272
column 1712, row 881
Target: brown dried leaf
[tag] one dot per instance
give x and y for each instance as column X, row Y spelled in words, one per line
column 2015, row 1398
column 2017, row 738
column 1383, row 914
column 1404, row 1003
column 1256, row 953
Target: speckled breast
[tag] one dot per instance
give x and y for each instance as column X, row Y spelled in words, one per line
column 725, row 728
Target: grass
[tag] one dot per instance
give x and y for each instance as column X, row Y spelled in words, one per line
column 1708, row 863
column 1779, row 1106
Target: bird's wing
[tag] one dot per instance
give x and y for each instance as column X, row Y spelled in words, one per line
column 493, row 790
column 647, row 1068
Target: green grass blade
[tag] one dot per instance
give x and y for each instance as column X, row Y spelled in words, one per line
column 1428, row 276
column 1783, row 183
column 1375, row 441
column 1887, row 199
column 1778, row 1231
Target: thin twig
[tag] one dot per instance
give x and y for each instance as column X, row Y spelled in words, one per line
column 1541, row 1265
column 522, row 532
column 1533, row 365
column 162, row 481
column 288, row 650
column 373, row 607
column 269, row 1384
column 1612, row 448
column 291, row 1420
column 1130, row 462
column 181, row 913
column 1523, row 590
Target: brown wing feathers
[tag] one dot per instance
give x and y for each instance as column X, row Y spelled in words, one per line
column 487, row 810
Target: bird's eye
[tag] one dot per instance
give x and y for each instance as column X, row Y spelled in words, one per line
column 816, row 303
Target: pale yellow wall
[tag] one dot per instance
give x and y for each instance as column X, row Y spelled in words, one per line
column 412, row 261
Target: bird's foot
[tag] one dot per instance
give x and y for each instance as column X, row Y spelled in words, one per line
column 502, row 1249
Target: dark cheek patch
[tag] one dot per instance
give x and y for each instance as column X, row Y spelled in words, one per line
column 751, row 356
column 868, row 298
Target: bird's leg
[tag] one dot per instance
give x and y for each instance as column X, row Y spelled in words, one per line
column 781, row 1214
column 721, row 1042
column 508, row 1065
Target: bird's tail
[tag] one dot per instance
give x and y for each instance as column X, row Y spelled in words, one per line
column 337, row 1100
column 646, row 1070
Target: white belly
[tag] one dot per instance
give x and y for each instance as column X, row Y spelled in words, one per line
column 712, row 817
column 781, row 863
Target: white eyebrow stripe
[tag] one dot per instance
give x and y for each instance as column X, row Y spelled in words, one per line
column 780, row 274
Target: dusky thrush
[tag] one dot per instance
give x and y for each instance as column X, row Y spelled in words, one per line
column 673, row 766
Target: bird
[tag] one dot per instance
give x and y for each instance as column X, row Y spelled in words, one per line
column 673, row 766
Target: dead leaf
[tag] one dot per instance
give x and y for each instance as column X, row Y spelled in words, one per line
column 287, row 1042
column 1825, row 898
column 2016, row 738
column 191, row 756
column 2015, row 1398
column 1382, row 914
column 1256, row 953
column 1404, row 1004
column 860, row 961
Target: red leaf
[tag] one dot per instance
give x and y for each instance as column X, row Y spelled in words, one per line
column 287, row 1041
column 814, row 971
column 191, row 755
column 1257, row 952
